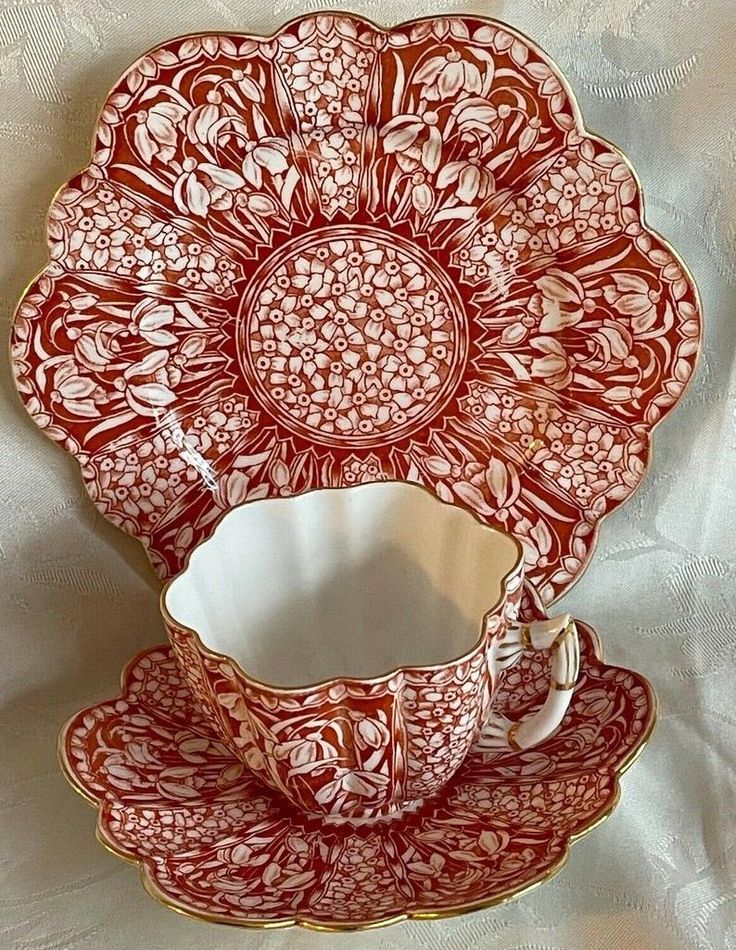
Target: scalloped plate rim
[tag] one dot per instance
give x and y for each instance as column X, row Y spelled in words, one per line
column 306, row 922
column 582, row 128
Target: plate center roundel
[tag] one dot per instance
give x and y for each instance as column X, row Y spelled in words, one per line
column 352, row 336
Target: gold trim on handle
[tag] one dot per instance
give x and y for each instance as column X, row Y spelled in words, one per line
column 567, row 630
column 511, row 736
column 526, row 637
column 563, row 687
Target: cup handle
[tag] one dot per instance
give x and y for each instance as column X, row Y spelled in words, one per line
column 558, row 635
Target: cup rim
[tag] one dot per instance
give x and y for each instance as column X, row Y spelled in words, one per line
column 331, row 681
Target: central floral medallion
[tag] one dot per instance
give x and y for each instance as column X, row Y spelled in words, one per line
column 352, row 336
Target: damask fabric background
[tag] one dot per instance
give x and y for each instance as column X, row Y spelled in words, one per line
column 658, row 78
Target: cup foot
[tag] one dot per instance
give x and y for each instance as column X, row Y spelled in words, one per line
column 387, row 814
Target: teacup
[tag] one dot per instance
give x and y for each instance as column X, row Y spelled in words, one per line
column 346, row 643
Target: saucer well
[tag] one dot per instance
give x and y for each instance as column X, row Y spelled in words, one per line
column 344, row 253
column 212, row 842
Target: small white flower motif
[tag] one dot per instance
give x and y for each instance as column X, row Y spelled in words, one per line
column 142, row 479
column 366, row 469
column 268, row 153
column 585, row 460
column 77, row 392
column 573, row 184
column 156, row 130
column 415, row 134
column 633, row 297
column 107, row 231
column 576, row 201
column 477, row 117
column 103, row 248
column 446, row 75
column 554, row 364
column 318, row 67
column 204, row 186
column 351, row 337
column 328, row 82
column 470, row 178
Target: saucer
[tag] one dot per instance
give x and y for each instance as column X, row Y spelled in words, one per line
column 214, row 843
column 346, row 253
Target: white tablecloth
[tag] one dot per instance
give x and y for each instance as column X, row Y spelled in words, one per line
column 77, row 598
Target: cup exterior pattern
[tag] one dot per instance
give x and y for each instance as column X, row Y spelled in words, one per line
column 348, row 747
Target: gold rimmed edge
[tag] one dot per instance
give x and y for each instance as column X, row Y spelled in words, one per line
column 582, row 129
column 154, row 891
column 478, row 644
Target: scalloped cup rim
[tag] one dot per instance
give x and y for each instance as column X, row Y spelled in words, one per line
column 335, row 681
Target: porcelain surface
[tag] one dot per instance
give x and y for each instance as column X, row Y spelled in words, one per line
column 317, row 586
column 343, row 254
column 213, row 842
column 346, row 644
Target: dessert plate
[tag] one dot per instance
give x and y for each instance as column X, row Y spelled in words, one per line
column 214, row 843
column 346, row 253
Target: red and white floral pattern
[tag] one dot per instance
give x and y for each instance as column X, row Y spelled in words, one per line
column 346, row 252
column 348, row 747
column 216, row 843
column 353, row 337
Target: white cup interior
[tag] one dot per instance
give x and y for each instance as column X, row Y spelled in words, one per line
column 343, row 582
